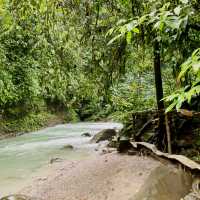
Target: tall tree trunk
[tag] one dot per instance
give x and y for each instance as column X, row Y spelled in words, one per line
column 160, row 132
column 158, row 76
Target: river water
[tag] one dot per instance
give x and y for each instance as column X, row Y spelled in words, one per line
column 24, row 156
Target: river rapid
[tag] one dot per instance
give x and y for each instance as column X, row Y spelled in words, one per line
column 21, row 158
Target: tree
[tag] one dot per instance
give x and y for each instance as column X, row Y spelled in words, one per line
column 162, row 27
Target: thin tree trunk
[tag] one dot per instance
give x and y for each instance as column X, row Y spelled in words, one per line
column 160, row 134
column 158, row 77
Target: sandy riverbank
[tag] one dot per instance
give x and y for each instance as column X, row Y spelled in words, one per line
column 107, row 177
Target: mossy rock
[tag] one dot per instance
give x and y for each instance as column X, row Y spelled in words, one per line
column 103, row 135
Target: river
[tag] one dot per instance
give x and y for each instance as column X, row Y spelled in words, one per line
column 24, row 156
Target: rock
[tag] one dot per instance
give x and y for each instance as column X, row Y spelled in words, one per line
column 103, row 135
column 108, row 150
column 165, row 183
column 86, row 135
column 123, row 145
column 114, row 142
column 42, row 179
column 68, row 147
column 191, row 196
column 53, row 160
column 17, row 197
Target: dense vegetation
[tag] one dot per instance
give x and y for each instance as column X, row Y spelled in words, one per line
column 95, row 59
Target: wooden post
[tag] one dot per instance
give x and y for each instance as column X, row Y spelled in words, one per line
column 169, row 146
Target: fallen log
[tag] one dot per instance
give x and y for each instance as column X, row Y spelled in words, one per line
column 179, row 158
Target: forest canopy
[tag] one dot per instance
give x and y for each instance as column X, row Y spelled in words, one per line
column 94, row 59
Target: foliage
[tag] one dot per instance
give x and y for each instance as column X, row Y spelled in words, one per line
column 190, row 68
column 93, row 58
column 168, row 24
column 30, row 122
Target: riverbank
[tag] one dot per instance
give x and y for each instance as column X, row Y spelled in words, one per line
column 109, row 177
column 32, row 122
column 39, row 165
column 12, row 127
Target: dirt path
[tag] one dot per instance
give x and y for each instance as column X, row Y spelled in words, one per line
column 107, row 177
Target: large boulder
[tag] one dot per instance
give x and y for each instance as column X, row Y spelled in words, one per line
column 166, row 182
column 103, row 135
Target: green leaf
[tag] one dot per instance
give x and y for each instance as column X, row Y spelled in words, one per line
column 115, row 38
column 136, row 30
column 184, row 68
column 174, row 22
column 184, row 1
column 171, row 106
column 196, row 54
column 129, row 37
column 143, row 19
column 156, row 25
column 131, row 25
column 171, row 97
column 121, row 21
column 196, row 66
column 177, row 10
column 110, row 32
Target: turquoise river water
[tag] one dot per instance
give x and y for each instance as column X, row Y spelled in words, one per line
column 23, row 156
